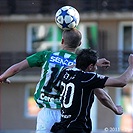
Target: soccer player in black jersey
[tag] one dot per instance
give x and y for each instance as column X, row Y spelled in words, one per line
column 77, row 86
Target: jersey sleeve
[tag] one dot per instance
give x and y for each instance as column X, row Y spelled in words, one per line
column 37, row 59
column 94, row 80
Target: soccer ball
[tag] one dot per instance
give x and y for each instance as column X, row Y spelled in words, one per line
column 67, row 17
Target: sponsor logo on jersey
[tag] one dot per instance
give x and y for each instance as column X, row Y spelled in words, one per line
column 43, row 97
column 61, row 61
column 66, row 116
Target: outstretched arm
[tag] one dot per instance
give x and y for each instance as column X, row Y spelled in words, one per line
column 14, row 69
column 123, row 79
column 106, row 100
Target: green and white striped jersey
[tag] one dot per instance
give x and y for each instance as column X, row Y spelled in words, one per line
column 51, row 63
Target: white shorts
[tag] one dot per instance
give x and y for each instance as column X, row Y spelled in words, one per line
column 46, row 118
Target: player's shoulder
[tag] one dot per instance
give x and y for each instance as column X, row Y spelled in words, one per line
column 67, row 52
column 43, row 52
column 56, row 52
column 69, row 68
column 72, row 71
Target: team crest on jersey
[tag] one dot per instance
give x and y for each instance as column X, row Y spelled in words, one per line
column 61, row 61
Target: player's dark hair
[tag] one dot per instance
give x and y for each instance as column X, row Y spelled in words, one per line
column 86, row 57
column 72, row 38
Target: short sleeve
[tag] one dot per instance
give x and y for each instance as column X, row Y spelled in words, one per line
column 37, row 59
column 94, row 80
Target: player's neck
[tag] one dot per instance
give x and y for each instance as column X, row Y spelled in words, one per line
column 69, row 49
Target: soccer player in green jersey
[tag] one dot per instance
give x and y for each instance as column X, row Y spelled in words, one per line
column 51, row 63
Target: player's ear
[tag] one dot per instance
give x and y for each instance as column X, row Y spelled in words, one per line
column 90, row 67
column 62, row 41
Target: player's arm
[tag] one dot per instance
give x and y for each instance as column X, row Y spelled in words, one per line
column 14, row 69
column 123, row 79
column 106, row 100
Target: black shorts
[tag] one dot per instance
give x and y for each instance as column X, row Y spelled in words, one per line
column 60, row 128
column 70, row 131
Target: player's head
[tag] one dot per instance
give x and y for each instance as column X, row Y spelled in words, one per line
column 71, row 38
column 86, row 60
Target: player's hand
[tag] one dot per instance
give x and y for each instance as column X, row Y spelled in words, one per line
column 5, row 81
column 119, row 110
column 103, row 63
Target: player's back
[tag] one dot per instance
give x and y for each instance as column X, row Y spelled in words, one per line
column 45, row 94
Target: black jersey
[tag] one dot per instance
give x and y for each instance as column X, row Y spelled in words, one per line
column 76, row 98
